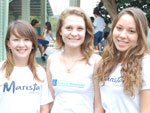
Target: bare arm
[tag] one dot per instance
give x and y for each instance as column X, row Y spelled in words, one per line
column 97, row 99
column 145, row 101
column 49, row 77
column 51, row 35
column 45, row 108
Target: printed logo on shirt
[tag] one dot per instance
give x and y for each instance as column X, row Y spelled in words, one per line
column 13, row 87
column 55, row 82
column 117, row 81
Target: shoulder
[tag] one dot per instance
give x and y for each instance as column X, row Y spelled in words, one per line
column 41, row 72
column 95, row 58
column 146, row 56
column 146, row 71
column 146, row 59
column 54, row 55
column 1, row 63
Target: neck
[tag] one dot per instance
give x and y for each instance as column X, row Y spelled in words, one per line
column 71, row 59
column 21, row 63
column 72, row 53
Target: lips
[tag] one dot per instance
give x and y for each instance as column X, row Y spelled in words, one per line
column 122, row 43
column 73, row 39
column 21, row 51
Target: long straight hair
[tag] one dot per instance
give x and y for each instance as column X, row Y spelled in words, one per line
column 24, row 29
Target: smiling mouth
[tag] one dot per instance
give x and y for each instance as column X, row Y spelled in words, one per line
column 21, row 50
column 122, row 43
column 72, row 39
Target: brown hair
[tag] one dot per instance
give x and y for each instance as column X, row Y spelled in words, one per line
column 87, row 46
column 131, row 59
column 24, row 29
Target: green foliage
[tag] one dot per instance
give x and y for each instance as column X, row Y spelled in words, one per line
column 121, row 4
column 147, row 1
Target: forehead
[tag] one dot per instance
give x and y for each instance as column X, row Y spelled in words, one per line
column 127, row 20
column 74, row 19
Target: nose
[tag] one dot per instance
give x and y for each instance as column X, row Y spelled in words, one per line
column 123, row 34
column 74, row 32
column 21, row 42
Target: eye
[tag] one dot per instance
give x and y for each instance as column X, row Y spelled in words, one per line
column 132, row 31
column 27, row 39
column 80, row 28
column 68, row 28
column 118, row 28
column 15, row 39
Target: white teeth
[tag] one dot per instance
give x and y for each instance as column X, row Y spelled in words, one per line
column 121, row 41
column 21, row 50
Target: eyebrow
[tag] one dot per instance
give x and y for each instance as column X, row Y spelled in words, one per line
column 131, row 27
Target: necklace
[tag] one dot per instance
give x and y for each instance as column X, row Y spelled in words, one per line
column 69, row 67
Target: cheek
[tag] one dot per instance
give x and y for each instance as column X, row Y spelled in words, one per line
column 114, row 33
column 134, row 39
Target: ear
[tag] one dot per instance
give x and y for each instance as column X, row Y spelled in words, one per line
column 8, row 43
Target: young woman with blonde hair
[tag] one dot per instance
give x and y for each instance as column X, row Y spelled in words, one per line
column 70, row 71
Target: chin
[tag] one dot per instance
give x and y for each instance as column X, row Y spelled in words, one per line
column 122, row 49
column 74, row 46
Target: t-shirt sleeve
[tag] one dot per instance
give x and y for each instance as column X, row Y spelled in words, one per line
column 95, row 58
column 146, row 72
column 95, row 22
column 46, row 96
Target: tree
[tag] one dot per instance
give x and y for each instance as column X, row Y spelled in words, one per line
column 110, row 8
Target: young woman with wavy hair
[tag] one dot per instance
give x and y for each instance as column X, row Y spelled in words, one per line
column 124, row 72
column 71, row 70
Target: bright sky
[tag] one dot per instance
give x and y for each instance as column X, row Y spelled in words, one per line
column 88, row 6
column 59, row 5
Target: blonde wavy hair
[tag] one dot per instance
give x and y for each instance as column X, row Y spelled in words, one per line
column 24, row 29
column 87, row 46
column 131, row 59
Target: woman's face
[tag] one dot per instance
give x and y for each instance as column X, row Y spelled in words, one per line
column 125, row 33
column 73, row 31
column 20, row 47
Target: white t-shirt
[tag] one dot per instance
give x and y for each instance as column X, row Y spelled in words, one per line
column 114, row 100
column 22, row 93
column 47, row 35
column 74, row 93
column 99, row 23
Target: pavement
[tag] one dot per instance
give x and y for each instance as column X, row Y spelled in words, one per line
column 48, row 51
